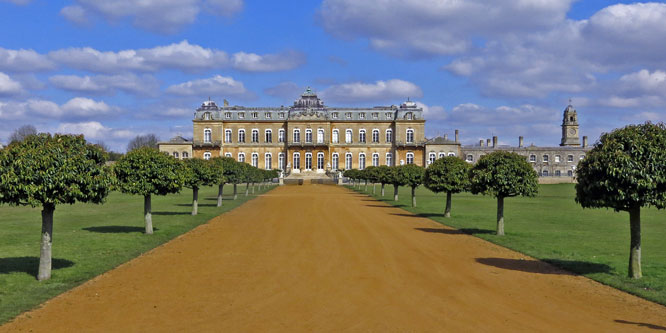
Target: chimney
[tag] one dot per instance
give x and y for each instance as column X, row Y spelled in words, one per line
column 481, row 142
column 585, row 141
column 446, row 137
column 520, row 142
column 457, row 135
column 488, row 142
column 494, row 141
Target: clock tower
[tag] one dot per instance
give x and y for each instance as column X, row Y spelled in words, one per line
column 570, row 128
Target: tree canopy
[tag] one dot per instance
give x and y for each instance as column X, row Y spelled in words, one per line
column 22, row 132
column 199, row 173
column 145, row 171
column 412, row 176
column 447, row 174
column 503, row 174
column 141, row 141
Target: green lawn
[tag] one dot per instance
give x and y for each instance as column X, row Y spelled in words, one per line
column 552, row 227
column 91, row 239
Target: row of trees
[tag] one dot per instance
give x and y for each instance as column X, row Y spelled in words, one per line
column 45, row 170
column 499, row 174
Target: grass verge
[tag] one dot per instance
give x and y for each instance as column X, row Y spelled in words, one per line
column 553, row 228
column 89, row 240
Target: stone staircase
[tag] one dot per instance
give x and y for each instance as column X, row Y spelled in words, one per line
column 308, row 177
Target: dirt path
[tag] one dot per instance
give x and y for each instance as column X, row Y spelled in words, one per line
column 321, row 258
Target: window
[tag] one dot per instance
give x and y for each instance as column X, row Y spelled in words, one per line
column 255, row 135
column 348, row 161
column 297, row 135
column 320, row 136
column 207, row 116
column 375, row 135
column 361, row 115
column 281, row 161
column 375, row 115
column 334, row 115
column 207, row 155
column 375, row 159
column 533, row 158
column 241, row 115
column 544, row 158
column 255, row 160
column 389, row 159
column 388, row 115
column 570, row 173
column 389, row 136
column 410, row 158
column 308, row 135
column 227, row 115
column 410, row 136
column 268, row 161
column 185, row 155
column 557, row 158
column 308, row 161
column 280, row 135
column 267, row 115
column 207, row 135
column 320, row 161
column 268, row 135
column 241, row 135
column 348, row 115
column 336, row 136
column 469, row 158
column 570, row 158
column 255, row 115
column 227, row 136
column 281, row 115
column 348, row 136
column 440, row 155
column 582, row 156
column 335, row 161
column 409, row 116
column 297, row 161
column 227, row 154
column 361, row 161
column 361, row 136
column 175, row 154
column 452, row 153
column 558, row 173
column 431, row 158
column 241, row 157
column 544, row 173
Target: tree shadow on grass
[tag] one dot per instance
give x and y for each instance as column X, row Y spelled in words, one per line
column 464, row 231
column 200, row 205
column 547, row 266
column 426, row 215
column 172, row 213
column 29, row 265
column 651, row 326
column 116, row 229
column 223, row 198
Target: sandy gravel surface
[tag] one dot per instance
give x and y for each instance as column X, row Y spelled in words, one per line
column 321, row 258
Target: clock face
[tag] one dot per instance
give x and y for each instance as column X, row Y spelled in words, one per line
column 572, row 131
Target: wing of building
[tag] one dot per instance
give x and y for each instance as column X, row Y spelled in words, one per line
column 310, row 136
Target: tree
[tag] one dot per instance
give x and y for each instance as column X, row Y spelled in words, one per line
column 44, row 170
column 625, row 171
column 217, row 165
column 503, row 174
column 351, row 174
column 146, row 171
column 233, row 173
column 140, row 141
column 112, row 155
column 22, row 132
column 383, row 176
column 199, row 173
column 372, row 175
column 411, row 175
column 396, row 180
column 448, row 174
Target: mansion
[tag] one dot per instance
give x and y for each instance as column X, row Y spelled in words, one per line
column 309, row 136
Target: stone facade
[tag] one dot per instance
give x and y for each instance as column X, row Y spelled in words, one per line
column 177, row 147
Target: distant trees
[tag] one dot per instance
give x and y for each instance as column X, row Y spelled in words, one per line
column 22, row 132
column 625, row 171
column 198, row 173
column 217, row 166
column 140, row 141
column 44, row 170
column 383, row 176
column 396, row 180
column 146, row 171
column 412, row 176
column 503, row 174
column 449, row 174
column 372, row 175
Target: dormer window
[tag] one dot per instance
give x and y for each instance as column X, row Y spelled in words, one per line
column 388, row 115
column 375, row 115
column 207, row 116
column 241, row 115
column 255, row 115
column 267, row 115
column 334, row 115
column 281, row 115
column 348, row 115
column 361, row 115
column 227, row 115
column 409, row 116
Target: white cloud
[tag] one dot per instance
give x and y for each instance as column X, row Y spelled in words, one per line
column 23, row 61
column 75, row 108
column 75, row 13
column 434, row 112
column 85, row 107
column 8, row 86
column 215, row 86
column 107, row 84
column 369, row 92
column 252, row 62
column 286, row 90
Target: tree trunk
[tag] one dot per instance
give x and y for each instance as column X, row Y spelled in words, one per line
column 366, row 186
column 195, row 200
column 413, row 197
column 253, row 185
column 220, row 189
column 235, row 191
column 635, row 251
column 147, row 214
column 395, row 192
column 383, row 190
column 45, row 253
column 447, row 211
column 500, row 216
column 247, row 189
column 374, row 188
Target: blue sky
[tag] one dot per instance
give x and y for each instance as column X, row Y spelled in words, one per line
column 115, row 69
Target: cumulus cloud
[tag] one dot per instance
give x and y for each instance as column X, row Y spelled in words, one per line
column 107, row 84
column 8, row 86
column 372, row 92
column 161, row 16
column 24, row 61
column 93, row 130
column 75, row 108
column 215, row 86
column 252, row 62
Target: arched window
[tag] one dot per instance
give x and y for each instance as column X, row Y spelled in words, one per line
column 570, row 173
column 334, row 159
column 452, row 153
column 207, row 155
column 268, row 161
column 227, row 136
column 268, row 136
column 545, row 158
column 410, row 158
column 348, row 136
column 375, row 159
column 389, row 135
column 185, row 155
column 544, row 173
column 280, row 135
column 255, row 160
column 296, row 161
column 361, row 161
column 320, row 135
column 389, row 159
column 336, row 136
column 255, row 135
column 241, row 157
column 558, row 173
column 175, row 154
column 207, row 135
column 308, row 135
column 308, row 161
column 348, row 161
column 410, row 136
column 361, row 136
column 431, row 158
column 241, row 136
column 375, row 135
column 570, row 158
column 227, row 154
column 320, row 161
column 440, row 155
column 297, row 135
column 558, row 158
column 533, row 158
column 281, row 161
column 470, row 158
